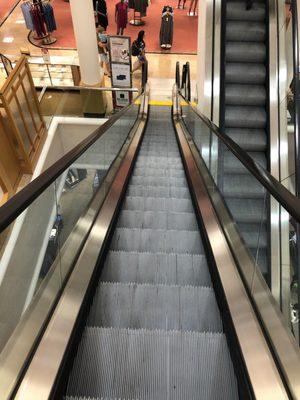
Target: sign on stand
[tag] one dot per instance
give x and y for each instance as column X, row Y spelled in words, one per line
column 120, row 66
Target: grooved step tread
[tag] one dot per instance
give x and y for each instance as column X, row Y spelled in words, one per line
column 158, row 220
column 146, row 306
column 147, row 365
column 158, row 191
column 150, row 240
column 158, row 204
column 158, row 181
column 172, row 269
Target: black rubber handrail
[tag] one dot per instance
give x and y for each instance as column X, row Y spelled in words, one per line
column 290, row 202
column 21, row 200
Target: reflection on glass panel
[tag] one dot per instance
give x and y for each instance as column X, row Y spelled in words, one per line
column 79, row 103
column 86, row 175
column 24, row 255
column 251, row 208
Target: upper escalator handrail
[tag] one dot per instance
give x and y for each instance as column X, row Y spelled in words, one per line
column 21, row 200
column 290, row 202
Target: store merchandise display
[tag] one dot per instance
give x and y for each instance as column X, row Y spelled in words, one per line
column 39, row 18
column 166, row 29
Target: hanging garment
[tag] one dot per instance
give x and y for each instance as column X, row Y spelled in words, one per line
column 49, row 17
column 121, row 13
column 141, row 7
column 26, row 7
column 166, row 28
column 101, row 11
column 38, row 21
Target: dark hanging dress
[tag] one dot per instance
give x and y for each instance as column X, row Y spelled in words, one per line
column 101, row 11
column 166, row 28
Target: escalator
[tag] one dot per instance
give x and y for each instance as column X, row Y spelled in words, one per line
column 154, row 321
column 244, row 117
column 162, row 298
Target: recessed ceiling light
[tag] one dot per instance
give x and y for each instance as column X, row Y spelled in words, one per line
column 8, row 39
column 20, row 21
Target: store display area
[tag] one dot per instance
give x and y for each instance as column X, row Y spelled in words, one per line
column 185, row 27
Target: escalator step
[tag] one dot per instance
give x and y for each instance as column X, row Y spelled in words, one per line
column 159, row 161
column 173, row 269
column 232, row 165
column 245, row 31
column 247, row 52
column 248, row 139
column 246, row 73
column 248, row 210
column 159, row 172
column 255, row 235
column 245, row 117
column 157, row 220
column 147, row 365
column 150, row 240
column 242, row 186
column 158, row 204
column 158, row 181
column 236, row 10
column 144, row 306
column 158, row 191
column 245, row 95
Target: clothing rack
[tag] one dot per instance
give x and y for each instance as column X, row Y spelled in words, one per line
column 40, row 20
column 137, row 19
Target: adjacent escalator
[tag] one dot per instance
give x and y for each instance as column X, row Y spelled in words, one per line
column 154, row 330
column 244, row 117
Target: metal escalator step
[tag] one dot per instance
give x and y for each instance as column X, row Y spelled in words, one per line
column 160, row 172
column 245, row 73
column 245, row 31
column 146, row 306
column 236, row 10
column 249, row 139
column 158, row 181
column 158, row 153
column 255, row 235
column 242, row 186
column 245, row 117
column 158, row 220
column 232, row 165
column 247, row 52
column 247, row 210
column 158, row 204
column 158, row 191
column 173, row 269
column 147, row 365
column 245, row 95
column 150, row 240
column 155, row 160
column 166, row 147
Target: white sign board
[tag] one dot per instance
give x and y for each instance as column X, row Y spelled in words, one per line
column 119, row 49
column 120, row 75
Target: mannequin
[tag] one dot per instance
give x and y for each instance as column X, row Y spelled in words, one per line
column 121, row 16
column 166, row 29
column 101, row 13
